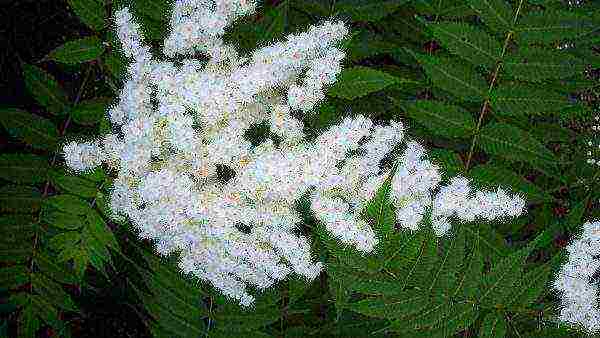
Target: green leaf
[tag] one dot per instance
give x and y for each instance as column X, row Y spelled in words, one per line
column 28, row 320
column 444, row 276
column 36, row 131
column 23, row 168
column 422, row 259
column 452, row 8
column 97, row 228
column 80, row 259
column 442, row 119
column 44, row 88
column 52, row 292
column 468, row 42
column 549, row 26
column 37, row 310
column 455, row 77
column 275, row 19
column 513, row 143
column 498, row 284
column 402, row 306
column 16, row 252
column 78, row 51
column 496, row 14
column 20, row 199
column 157, row 10
column 115, row 64
column 360, row 81
column 367, row 44
column 97, row 175
column 62, row 220
column 469, row 284
column 69, row 204
column 365, row 10
column 57, row 270
column 522, row 99
column 536, row 64
column 74, row 185
column 440, row 319
column 381, row 210
column 533, row 284
column 18, row 223
column 64, row 240
column 13, row 276
column 495, row 175
column 494, row 326
column 574, row 218
column 448, row 160
column 90, row 12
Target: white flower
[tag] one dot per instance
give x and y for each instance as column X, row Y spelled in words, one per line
column 579, row 305
column 82, row 157
column 184, row 127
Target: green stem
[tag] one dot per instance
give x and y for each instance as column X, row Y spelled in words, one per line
column 486, row 103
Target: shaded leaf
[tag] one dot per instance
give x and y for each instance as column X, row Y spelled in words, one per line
column 44, row 88
column 74, row 185
column 533, row 284
column 275, row 19
column 552, row 25
column 36, row 310
column 18, row 223
column 367, row 44
column 52, row 292
column 36, row 131
column 20, row 199
column 23, row 168
column 448, row 160
column 498, row 284
column 115, row 64
column 62, row 220
column 78, row 51
column 494, row 326
column 365, row 10
column 91, row 12
column 13, row 276
column 97, row 228
column 494, row 175
column 496, row 14
column 57, row 270
column 69, row 203
column 157, row 10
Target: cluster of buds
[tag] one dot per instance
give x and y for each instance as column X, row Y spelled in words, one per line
column 174, row 124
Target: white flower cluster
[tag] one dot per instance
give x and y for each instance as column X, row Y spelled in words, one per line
column 174, row 124
column 579, row 296
column 412, row 187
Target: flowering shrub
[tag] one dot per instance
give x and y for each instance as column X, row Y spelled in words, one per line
column 167, row 184
column 409, row 241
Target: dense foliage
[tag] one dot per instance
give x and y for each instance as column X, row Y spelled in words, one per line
column 502, row 92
